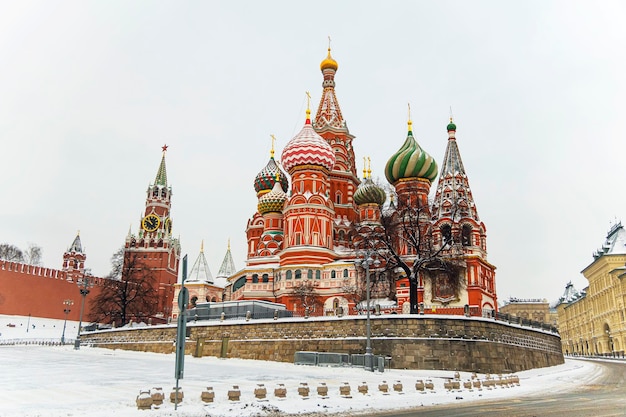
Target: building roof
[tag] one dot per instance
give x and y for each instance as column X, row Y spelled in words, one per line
column 228, row 265
column 200, row 271
column 615, row 242
column 569, row 295
column 453, row 190
column 76, row 246
column 410, row 161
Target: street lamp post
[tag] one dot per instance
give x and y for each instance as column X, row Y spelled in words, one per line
column 84, row 285
column 365, row 263
column 67, row 303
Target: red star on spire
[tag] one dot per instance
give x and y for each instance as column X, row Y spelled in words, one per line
column 164, row 148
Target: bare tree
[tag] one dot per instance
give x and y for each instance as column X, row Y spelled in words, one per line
column 405, row 240
column 33, row 255
column 306, row 293
column 353, row 292
column 11, row 253
column 128, row 292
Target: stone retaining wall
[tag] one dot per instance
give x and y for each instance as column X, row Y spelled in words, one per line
column 413, row 342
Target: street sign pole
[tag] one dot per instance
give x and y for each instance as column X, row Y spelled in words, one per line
column 181, row 331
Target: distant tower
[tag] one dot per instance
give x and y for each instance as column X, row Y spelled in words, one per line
column 455, row 219
column 154, row 243
column 330, row 125
column 227, row 268
column 74, row 260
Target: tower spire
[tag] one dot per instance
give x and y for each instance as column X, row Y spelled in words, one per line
column 410, row 122
column 328, row 113
column 272, row 151
column 453, row 196
column 161, row 176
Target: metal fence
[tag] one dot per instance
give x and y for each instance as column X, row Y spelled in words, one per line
column 41, row 342
column 339, row 359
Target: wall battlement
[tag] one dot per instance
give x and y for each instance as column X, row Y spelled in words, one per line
column 39, row 292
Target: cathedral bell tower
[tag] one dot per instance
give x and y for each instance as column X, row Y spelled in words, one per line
column 330, row 125
column 154, row 245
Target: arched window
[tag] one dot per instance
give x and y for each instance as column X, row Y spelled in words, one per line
column 266, row 278
column 446, row 233
column 213, row 300
column 466, row 235
column 342, row 235
column 255, row 278
column 336, row 303
column 239, row 283
column 345, row 273
column 298, row 274
column 164, row 193
column 309, row 274
column 338, row 198
column 318, row 274
column 193, row 302
column 288, row 275
column 333, row 274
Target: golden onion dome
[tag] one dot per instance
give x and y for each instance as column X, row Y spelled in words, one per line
column 329, row 63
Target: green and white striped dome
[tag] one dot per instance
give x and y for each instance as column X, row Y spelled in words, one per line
column 411, row 161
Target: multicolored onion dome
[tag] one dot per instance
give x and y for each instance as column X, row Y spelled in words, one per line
column 411, row 161
column 308, row 148
column 329, row 63
column 264, row 181
column 272, row 201
column 369, row 193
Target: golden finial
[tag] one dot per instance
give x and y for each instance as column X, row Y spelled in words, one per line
column 202, row 246
column 410, row 122
column 308, row 106
column 364, row 168
column 369, row 168
column 329, row 62
column 228, row 243
column 277, row 176
column 450, row 114
column 78, row 233
column 272, row 151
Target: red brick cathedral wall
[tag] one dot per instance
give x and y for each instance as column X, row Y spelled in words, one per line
column 40, row 292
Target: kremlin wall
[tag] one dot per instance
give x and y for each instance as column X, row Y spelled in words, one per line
column 29, row 290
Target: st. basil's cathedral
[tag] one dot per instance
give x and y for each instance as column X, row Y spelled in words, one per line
column 301, row 238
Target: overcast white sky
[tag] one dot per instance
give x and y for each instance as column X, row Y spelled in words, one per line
column 90, row 91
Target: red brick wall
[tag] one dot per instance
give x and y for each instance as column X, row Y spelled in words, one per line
column 40, row 292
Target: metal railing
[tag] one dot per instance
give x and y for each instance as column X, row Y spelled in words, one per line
column 339, row 359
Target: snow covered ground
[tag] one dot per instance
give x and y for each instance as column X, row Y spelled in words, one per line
column 55, row 381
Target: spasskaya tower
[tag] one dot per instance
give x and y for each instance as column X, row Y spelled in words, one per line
column 153, row 246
